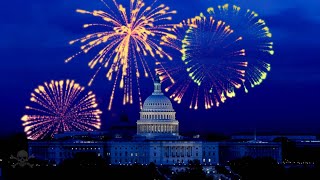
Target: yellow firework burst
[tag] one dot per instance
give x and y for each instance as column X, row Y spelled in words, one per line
column 129, row 34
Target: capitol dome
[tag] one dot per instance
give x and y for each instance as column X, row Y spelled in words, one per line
column 157, row 117
column 157, row 102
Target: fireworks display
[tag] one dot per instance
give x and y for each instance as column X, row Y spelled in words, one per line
column 256, row 39
column 212, row 59
column 224, row 49
column 60, row 106
column 125, row 37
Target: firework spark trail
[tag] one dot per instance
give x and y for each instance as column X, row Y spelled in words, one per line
column 60, row 106
column 128, row 31
column 212, row 66
column 256, row 39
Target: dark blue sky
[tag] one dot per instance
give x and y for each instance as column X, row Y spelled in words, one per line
column 34, row 36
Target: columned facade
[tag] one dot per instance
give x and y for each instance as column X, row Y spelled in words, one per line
column 158, row 128
column 157, row 141
column 157, row 117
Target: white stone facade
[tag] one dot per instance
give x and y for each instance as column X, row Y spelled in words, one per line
column 157, row 140
column 157, row 117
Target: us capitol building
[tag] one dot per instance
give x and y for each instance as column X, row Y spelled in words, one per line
column 157, row 140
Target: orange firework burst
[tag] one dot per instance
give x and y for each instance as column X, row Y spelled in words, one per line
column 129, row 34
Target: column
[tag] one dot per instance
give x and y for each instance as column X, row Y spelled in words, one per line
column 183, row 151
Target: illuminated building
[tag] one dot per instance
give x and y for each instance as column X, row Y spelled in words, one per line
column 157, row 140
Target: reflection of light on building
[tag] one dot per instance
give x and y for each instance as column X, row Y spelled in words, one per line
column 269, row 138
column 255, row 149
column 157, row 117
column 157, row 140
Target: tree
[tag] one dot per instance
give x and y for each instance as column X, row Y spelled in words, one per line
column 288, row 148
column 260, row 168
column 193, row 171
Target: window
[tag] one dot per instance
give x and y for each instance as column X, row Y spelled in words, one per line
column 155, row 154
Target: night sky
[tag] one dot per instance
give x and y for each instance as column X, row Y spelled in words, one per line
column 34, row 36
